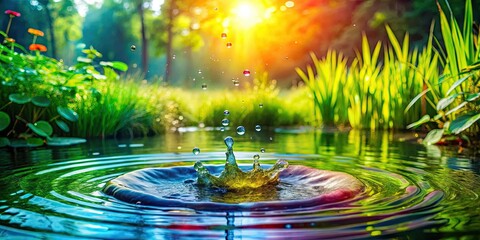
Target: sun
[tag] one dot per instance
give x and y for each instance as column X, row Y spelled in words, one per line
column 247, row 14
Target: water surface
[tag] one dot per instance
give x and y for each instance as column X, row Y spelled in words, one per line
column 411, row 190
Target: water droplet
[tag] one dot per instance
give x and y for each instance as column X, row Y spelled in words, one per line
column 271, row 138
column 133, row 47
column 262, row 150
column 199, row 71
column 236, row 83
column 229, row 45
column 224, row 35
column 174, row 57
column 193, row 79
column 229, row 142
column 246, row 72
column 138, row 203
column 226, row 112
column 196, row 150
column 225, row 122
column 222, row 129
column 260, row 105
column 258, row 128
column 288, row 226
column 240, row 130
column 204, row 86
column 256, row 157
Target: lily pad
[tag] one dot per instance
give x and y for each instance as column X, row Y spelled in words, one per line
column 19, row 98
column 41, row 129
column 34, row 142
column 41, row 101
column 4, row 120
column 30, row 142
column 64, row 141
column 4, row 142
column 62, row 125
column 67, row 113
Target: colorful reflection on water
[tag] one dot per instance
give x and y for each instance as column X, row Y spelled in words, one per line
column 411, row 190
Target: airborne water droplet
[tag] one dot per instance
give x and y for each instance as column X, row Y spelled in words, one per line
column 260, row 105
column 258, row 128
column 240, row 130
column 256, row 157
column 246, row 72
column 236, row 83
column 229, row 142
column 226, row 112
column 174, row 57
column 133, row 47
column 225, row 122
column 204, row 86
column 229, row 45
column 199, row 71
column 222, row 129
column 224, row 35
column 262, row 150
column 196, row 150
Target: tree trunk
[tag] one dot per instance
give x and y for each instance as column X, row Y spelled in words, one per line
column 141, row 12
column 168, row 66
column 50, row 29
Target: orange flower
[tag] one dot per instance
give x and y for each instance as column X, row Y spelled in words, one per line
column 35, row 32
column 12, row 13
column 37, row 47
column 10, row 40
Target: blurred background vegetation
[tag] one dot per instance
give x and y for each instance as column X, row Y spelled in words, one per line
column 175, row 40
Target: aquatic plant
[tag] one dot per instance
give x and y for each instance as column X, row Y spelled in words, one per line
column 456, row 103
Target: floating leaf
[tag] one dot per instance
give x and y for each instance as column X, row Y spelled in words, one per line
column 433, row 136
column 444, row 102
column 16, row 143
column 4, row 120
column 62, row 125
column 41, row 101
column 422, row 120
column 463, row 122
column 45, row 126
column 18, row 98
column 34, row 142
column 4, row 142
column 67, row 113
column 64, row 141
column 37, row 130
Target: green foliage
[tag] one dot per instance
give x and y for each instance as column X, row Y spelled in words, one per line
column 457, row 106
column 328, row 85
column 372, row 93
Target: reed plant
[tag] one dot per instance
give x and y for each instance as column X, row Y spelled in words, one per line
column 456, row 96
column 327, row 82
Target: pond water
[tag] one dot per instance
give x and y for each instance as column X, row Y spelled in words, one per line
column 411, row 190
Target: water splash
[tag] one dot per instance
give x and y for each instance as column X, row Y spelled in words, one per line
column 232, row 178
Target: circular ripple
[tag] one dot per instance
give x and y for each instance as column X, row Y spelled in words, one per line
column 298, row 187
column 64, row 200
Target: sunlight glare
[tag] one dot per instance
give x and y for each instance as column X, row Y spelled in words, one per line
column 247, row 14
